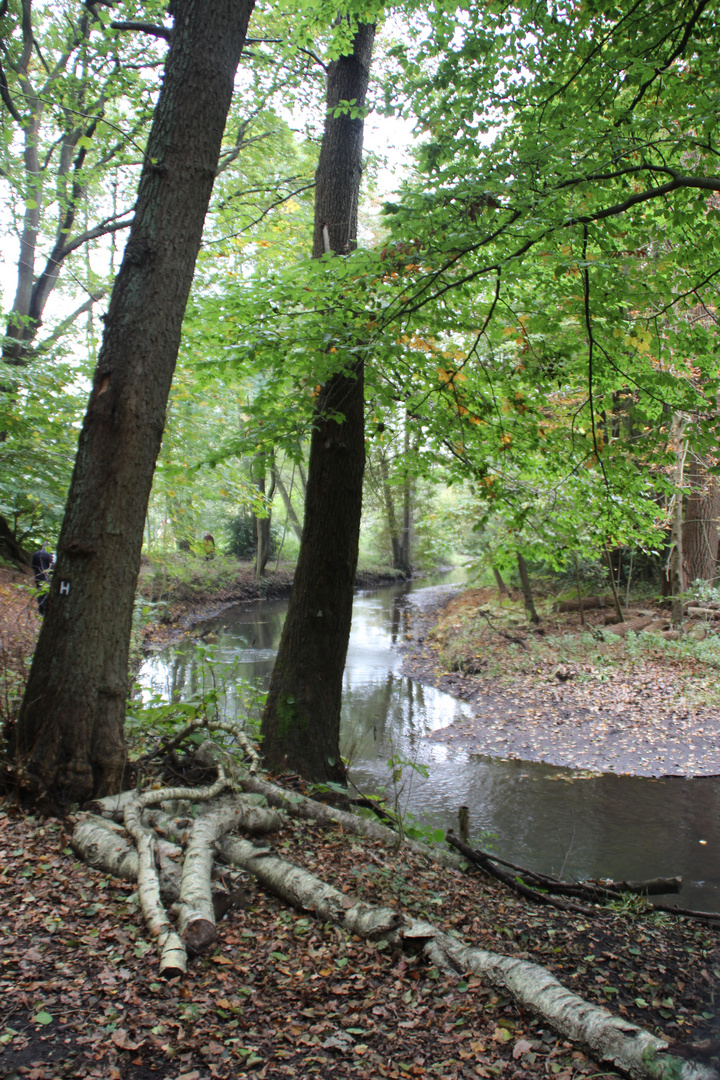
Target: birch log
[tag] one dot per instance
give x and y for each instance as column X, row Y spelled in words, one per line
column 103, row 845
column 300, row 806
column 196, row 914
column 173, row 958
column 611, row 1039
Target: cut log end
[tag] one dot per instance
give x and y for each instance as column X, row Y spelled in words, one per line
column 200, row 936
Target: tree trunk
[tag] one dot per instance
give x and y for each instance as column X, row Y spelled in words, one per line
column 289, row 508
column 407, row 522
column 10, row 548
column 527, row 590
column 262, row 524
column 502, row 587
column 675, row 558
column 69, row 740
column 700, row 525
column 301, row 721
column 392, row 521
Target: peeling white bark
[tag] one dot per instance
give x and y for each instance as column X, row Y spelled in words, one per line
column 300, row 806
column 608, row 1038
column 102, row 844
column 196, row 915
column 173, row 960
column 305, row 891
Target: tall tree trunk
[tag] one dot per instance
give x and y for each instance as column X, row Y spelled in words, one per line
column 700, row 525
column 392, row 521
column 301, row 722
column 69, row 740
column 407, row 519
column 675, row 557
column 527, row 589
column 262, row 524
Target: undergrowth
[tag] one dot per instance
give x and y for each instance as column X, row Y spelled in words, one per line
column 494, row 641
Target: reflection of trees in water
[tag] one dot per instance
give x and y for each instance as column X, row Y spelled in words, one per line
column 399, row 617
column 385, row 717
column 616, row 826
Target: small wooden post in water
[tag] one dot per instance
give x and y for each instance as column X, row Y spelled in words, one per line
column 464, row 822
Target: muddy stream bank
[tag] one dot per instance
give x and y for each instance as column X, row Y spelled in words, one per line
column 583, row 822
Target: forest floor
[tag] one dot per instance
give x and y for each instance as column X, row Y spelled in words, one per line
column 282, row 995
column 565, row 694
column 285, row 996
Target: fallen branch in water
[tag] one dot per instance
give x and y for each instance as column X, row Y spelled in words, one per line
column 594, row 891
column 608, row 1038
column 512, row 882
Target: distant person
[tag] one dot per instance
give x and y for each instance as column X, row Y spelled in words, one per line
column 209, row 544
column 41, row 563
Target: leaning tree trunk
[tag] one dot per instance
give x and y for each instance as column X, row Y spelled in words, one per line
column 10, row 548
column 69, row 739
column 301, row 722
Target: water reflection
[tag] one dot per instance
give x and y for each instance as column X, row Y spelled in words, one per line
column 550, row 819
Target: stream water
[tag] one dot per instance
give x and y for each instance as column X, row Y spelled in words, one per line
column 546, row 818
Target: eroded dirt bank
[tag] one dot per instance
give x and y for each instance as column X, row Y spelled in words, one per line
column 564, row 696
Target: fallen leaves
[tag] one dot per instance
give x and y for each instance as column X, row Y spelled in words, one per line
column 635, row 705
column 285, row 996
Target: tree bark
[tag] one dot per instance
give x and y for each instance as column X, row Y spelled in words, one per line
column 502, row 587
column 700, row 525
column 301, row 721
column 289, row 508
column 608, row 1038
column 10, row 548
column 69, row 740
column 675, row 557
column 262, row 524
column 527, row 590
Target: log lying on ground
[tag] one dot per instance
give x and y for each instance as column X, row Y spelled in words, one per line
column 173, row 958
column 101, row 844
column 588, row 602
column 196, row 911
column 608, row 1038
column 300, row 806
column 634, row 626
column 703, row 612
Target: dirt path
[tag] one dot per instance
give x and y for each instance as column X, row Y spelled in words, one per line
column 631, row 721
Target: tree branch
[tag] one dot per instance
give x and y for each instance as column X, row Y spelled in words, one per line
column 143, row 28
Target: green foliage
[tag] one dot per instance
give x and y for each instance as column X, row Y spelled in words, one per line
column 150, row 717
column 242, row 538
column 540, row 306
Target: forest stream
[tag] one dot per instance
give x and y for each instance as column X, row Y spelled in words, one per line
column 575, row 823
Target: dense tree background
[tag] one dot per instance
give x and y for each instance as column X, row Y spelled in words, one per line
column 534, row 306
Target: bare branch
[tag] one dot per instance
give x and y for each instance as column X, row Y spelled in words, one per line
column 143, row 28
column 67, row 322
column 265, row 212
column 104, row 228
